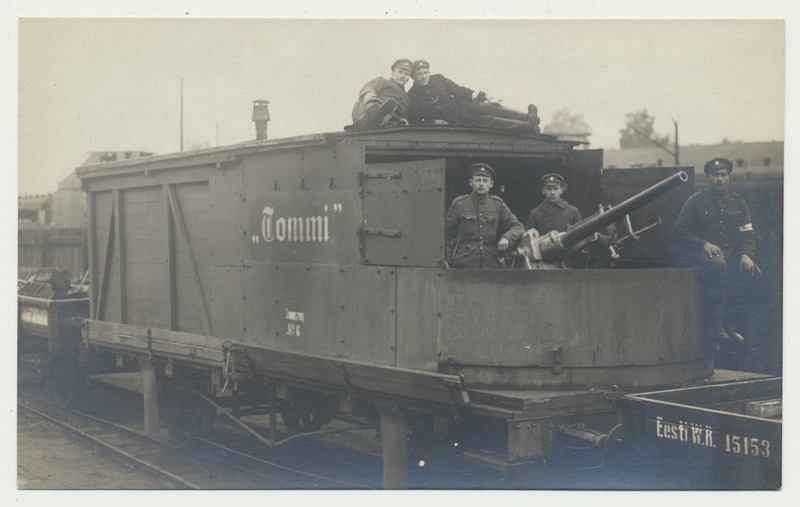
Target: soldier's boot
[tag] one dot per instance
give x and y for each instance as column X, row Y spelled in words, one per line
column 393, row 119
column 375, row 113
column 533, row 118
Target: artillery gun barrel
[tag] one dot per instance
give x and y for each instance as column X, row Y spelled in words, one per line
column 595, row 223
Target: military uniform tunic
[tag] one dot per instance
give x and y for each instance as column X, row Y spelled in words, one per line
column 383, row 89
column 443, row 99
column 474, row 225
column 724, row 222
column 553, row 216
column 440, row 99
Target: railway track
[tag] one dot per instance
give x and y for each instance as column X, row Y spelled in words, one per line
column 188, row 462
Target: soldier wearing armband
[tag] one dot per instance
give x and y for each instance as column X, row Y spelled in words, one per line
column 715, row 229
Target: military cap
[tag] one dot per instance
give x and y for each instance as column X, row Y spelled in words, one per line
column 553, row 178
column 716, row 163
column 481, row 170
column 420, row 64
column 403, row 63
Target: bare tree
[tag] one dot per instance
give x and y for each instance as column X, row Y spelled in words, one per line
column 639, row 131
column 568, row 126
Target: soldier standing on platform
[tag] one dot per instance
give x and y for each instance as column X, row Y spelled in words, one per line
column 714, row 227
column 475, row 221
column 554, row 214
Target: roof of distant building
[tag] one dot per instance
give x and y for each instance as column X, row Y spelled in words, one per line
column 33, row 202
column 97, row 157
column 753, row 158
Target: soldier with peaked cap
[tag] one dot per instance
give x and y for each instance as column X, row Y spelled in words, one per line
column 478, row 225
column 714, row 227
column 384, row 101
column 554, row 213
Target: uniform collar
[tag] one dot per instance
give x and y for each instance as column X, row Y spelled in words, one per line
column 561, row 203
column 398, row 86
column 477, row 199
column 711, row 195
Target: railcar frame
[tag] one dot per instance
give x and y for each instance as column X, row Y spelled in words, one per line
column 309, row 272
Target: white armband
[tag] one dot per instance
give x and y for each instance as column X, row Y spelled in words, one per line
column 746, row 227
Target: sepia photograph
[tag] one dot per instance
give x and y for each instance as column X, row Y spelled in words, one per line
column 422, row 250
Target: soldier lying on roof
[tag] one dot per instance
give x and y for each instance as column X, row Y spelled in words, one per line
column 384, row 101
column 436, row 100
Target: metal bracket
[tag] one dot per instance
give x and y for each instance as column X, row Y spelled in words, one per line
column 635, row 235
column 229, row 371
column 558, row 355
column 85, row 334
column 387, row 175
column 629, row 227
column 389, row 233
column 346, row 378
column 578, row 430
column 457, row 388
column 527, row 439
column 149, row 344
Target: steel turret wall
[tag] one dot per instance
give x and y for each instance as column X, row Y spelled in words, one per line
column 553, row 328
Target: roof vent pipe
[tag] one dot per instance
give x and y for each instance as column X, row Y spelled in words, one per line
column 261, row 117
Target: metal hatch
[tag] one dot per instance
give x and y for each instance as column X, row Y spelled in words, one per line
column 404, row 213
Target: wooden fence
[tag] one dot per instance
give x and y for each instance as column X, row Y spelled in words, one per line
column 60, row 247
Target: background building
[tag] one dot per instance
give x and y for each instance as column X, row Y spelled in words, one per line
column 753, row 162
column 35, row 209
column 69, row 201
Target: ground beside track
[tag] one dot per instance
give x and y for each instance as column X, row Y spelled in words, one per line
column 49, row 458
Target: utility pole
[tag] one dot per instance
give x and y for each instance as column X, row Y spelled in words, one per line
column 181, row 113
column 657, row 143
column 677, row 147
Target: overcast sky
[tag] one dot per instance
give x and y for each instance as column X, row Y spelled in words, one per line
column 100, row 84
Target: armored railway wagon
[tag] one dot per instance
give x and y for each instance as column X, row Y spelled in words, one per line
column 308, row 275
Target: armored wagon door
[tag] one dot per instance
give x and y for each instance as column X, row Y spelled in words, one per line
column 656, row 244
column 403, row 213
